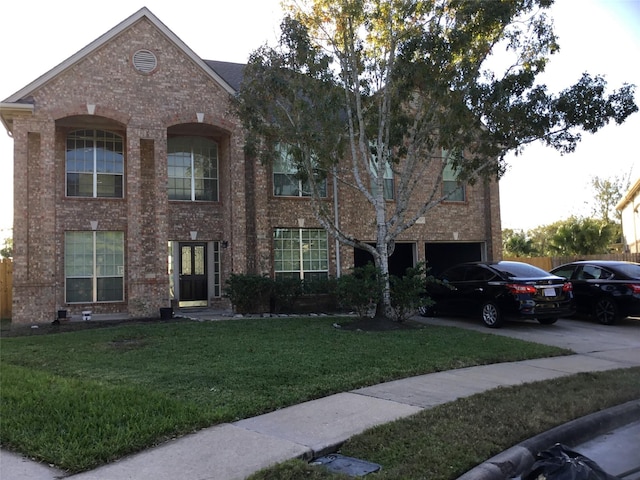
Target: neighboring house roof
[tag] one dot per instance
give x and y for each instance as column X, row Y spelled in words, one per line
column 633, row 192
column 228, row 75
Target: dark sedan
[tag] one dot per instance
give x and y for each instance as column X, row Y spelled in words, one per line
column 496, row 291
column 608, row 290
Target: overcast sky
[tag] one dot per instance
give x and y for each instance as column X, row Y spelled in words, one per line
column 541, row 187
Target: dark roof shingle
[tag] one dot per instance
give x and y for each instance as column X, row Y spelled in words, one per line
column 230, row 72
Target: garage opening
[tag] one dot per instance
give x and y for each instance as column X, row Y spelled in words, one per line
column 403, row 257
column 442, row 255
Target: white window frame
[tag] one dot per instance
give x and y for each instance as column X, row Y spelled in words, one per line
column 91, row 258
column 306, row 254
column 284, row 168
column 455, row 190
column 195, row 148
column 388, row 183
column 99, row 166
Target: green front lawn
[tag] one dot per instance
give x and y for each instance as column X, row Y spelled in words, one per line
column 80, row 399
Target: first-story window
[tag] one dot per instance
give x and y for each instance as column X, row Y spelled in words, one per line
column 301, row 253
column 451, row 186
column 94, row 267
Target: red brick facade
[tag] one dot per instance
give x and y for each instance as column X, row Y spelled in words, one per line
column 99, row 88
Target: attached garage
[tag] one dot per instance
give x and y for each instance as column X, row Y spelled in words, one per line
column 403, row 257
column 442, row 255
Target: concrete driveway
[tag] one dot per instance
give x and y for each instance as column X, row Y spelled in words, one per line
column 581, row 335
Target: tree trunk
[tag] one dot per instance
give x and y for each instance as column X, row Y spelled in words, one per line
column 382, row 262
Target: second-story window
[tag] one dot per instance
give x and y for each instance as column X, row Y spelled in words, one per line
column 387, row 180
column 451, row 186
column 193, row 169
column 94, row 164
column 287, row 180
column 387, row 177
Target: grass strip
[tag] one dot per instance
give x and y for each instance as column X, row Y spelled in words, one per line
column 444, row 442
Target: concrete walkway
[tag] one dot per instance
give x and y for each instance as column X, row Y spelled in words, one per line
column 236, row 450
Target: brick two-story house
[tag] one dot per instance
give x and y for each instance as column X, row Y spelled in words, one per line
column 132, row 189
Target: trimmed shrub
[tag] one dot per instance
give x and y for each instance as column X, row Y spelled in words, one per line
column 360, row 290
column 284, row 294
column 408, row 292
column 249, row 293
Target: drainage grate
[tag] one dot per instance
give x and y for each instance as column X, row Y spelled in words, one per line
column 350, row 466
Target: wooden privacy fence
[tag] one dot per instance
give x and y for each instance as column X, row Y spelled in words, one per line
column 547, row 263
column 6, row 283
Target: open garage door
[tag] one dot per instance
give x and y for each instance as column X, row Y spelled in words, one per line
column 441, row 256
column 402, row 258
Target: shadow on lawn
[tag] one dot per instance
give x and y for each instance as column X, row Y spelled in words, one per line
column 8, row 329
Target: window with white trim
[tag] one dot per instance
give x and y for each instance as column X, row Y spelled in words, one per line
column 192, row 169
column 287, row 180
column 389, row 193
column 455, row 189
column 94, row 164
column 301, row 253
column 94, row 267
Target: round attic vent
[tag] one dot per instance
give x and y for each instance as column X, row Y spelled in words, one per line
column 144, row 61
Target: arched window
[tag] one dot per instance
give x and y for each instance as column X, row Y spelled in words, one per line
column 94, row 164
column 193, row 169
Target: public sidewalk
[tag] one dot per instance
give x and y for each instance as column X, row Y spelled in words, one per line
column 236, row 450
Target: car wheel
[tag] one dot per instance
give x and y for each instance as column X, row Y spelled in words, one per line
column 606, row 311
column 547, row 321
column 426, row 311
column 491, row 315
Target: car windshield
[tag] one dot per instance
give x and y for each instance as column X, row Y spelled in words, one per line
column 630, row 269
column 524, row 270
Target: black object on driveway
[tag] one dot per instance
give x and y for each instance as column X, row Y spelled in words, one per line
column 608, row 290
column 495, row 291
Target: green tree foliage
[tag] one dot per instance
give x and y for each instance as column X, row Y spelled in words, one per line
column 574, row 236
column 516, row 243
column 357, row 88
column 581, row 236
column 7, row 249
column 608, row 193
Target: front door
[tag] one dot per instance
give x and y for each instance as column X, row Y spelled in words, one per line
column 193, row 273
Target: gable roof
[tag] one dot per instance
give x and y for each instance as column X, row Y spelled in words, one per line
column 228, row 75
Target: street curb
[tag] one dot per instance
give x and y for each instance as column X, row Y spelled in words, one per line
column 517, row 459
